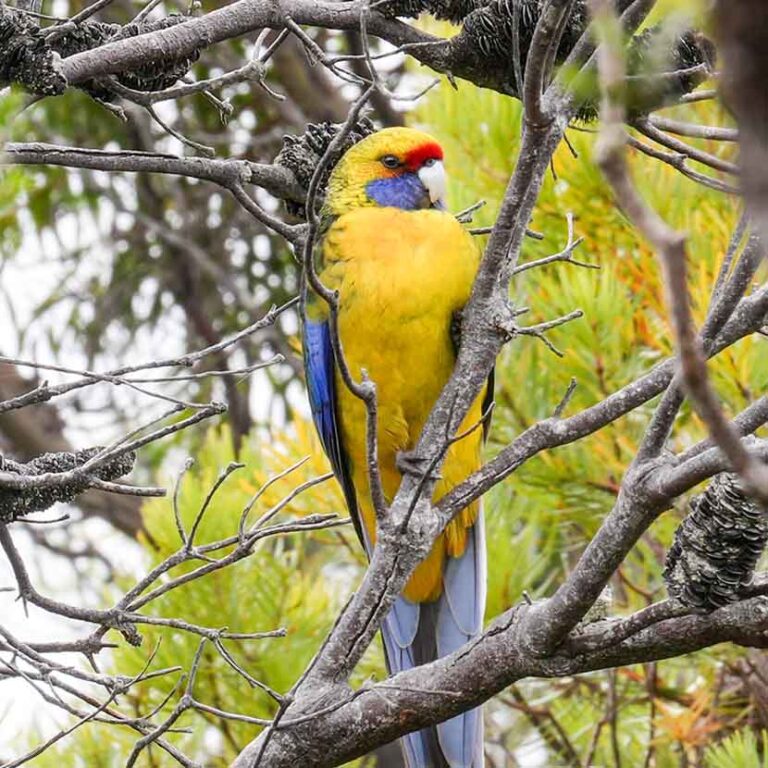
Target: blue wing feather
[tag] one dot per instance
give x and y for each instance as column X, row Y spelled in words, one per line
column 320, row 367
column 461, row 612
column 318, row 358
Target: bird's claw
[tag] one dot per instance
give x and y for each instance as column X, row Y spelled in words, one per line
column 506, row 320
column 455, row 329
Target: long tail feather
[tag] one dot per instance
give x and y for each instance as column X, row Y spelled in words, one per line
column 416, row 634
column 460, row 618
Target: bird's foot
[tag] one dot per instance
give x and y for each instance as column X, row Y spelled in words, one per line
column 455, row 330
column 410, row 463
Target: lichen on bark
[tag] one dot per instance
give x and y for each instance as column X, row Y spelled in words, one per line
column 16, row 503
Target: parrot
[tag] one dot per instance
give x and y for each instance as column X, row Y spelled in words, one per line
column 403, row 268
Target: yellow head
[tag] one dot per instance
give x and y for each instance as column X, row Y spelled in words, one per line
column 396, row 167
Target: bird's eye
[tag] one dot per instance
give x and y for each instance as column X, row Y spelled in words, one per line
column 390, row 161
column 428, row 163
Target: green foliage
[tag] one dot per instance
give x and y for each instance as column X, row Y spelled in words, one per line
column 14, row 182
column 740, row 750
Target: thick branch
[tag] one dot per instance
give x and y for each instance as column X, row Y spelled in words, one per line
column 749, row 317
column 453, row 684
column 238, row 19
column 230, row 174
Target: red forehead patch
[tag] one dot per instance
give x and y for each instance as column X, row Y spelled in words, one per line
column 416, row 157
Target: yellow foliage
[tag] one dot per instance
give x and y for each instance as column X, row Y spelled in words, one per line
column 690, row 726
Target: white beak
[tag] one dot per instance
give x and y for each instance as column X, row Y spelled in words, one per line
column 433, row 178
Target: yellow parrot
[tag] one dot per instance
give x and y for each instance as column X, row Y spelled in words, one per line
column 404, row 269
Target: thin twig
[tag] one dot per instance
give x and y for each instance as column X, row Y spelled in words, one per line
column 565, row 255
column 44, row 392
column 694, row 130
column 679, row 163
column 648, row 130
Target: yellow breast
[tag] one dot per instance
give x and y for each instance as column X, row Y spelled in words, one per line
column 401, row 276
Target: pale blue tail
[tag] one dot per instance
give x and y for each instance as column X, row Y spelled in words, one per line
column 415, row 634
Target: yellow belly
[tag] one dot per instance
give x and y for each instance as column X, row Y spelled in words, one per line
column 401, row 276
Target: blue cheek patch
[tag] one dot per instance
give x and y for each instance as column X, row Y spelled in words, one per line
column 405, row 191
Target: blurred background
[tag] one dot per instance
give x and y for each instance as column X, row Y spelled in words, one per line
column 103, row 269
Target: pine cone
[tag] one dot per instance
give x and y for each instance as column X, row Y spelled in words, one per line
column 24, row 56
column 27, row 57
column 487, row 38
column 716, row 547
column 301, row 154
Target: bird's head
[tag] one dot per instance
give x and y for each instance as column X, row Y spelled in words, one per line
column 395, row 167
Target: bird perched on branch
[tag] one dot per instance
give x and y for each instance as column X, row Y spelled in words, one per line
column 403, row 268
